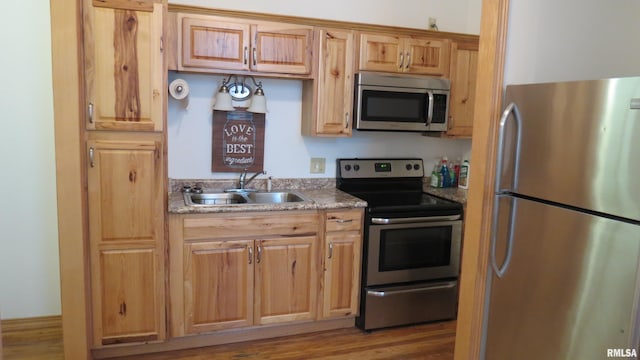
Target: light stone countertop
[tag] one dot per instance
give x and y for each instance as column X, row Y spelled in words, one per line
column 321, row 195
column 453, row 194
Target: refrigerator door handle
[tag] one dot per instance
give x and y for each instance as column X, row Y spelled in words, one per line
column 499, row 192
column 501, row 270
column 511, row 108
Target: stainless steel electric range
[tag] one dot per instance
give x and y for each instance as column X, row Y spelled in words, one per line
column 411, row 247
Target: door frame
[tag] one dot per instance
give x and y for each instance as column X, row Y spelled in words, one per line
column 489, row 92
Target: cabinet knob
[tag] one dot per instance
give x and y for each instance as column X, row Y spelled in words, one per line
column 346, row 120
column 250, row 254
column 330, row 249
column 401, row 60
column 408, row 60
column 246, row 55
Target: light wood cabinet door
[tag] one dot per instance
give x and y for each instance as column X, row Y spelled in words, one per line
column 328, row 101
column 342, row 261
column 286, row 282
column 214, row 44
column 125, row 191
column 124, row 68
column 380, row 52
column 126, row 233
column 342, row 274
column 219, row 44
column 218, row 285
column 464, row 69
column 127, row 293
column 281, row 48
column 404, row 54
column 426, row 56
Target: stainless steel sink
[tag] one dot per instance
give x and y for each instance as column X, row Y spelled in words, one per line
column 274, row 197
column 214, row 199
column 241, row 198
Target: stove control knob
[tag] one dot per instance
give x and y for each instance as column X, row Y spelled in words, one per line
column 408, row 166
column 347, row 167
column 356, row 167
column 416, row 166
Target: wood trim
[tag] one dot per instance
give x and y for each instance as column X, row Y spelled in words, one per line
column 31, row 329
column 135, row 5
column 322, row 23
column 226, row 337
column 66, row 39
column 493, row 34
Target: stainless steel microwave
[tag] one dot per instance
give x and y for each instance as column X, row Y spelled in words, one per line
column 396, row 102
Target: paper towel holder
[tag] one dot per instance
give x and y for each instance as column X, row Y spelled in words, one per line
column 179, row 89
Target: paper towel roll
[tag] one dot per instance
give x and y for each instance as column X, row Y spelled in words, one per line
column 178, row 89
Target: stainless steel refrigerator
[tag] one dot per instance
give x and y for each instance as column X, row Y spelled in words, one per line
column 565, row 251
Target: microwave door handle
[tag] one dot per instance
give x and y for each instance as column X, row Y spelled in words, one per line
column 429, row 109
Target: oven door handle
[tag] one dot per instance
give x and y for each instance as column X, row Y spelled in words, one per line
column 387, row 221
column 376, row 293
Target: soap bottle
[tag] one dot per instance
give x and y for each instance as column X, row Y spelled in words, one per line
column 453, row 180
column 465, row 171
column 456, row 171
column 444, row 172
column 435, row 175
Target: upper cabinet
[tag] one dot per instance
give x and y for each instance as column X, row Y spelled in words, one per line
column 219, row 44
column 124, row 66
column 404, row 54
column 327, row 101
column 464, row 69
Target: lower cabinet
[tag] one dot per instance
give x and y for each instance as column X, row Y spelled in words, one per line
column 230, row 284
column 242, row 270
column 247, row 270
column 218, row 285
column 343, row 244
column 126, row 238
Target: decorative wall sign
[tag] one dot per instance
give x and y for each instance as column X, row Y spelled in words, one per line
column 238, row 141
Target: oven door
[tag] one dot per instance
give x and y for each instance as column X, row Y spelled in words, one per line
column 413, row 249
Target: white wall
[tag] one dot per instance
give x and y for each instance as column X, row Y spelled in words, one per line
column 287, row 153
column 461, row 16
column 29, row 272
column 551, row 40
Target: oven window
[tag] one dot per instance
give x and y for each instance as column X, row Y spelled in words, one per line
column 413, row 248
column 394, row 106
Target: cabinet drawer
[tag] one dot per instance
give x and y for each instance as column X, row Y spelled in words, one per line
column 252, row 224
column 343, row 220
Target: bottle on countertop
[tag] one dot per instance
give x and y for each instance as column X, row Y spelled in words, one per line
column 456, row 171
column 452, row 175
column 435, row 175
column 444, row 172
column 465, row 171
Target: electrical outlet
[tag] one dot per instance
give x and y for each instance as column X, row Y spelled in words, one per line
column 317, row 165
column 433, row 23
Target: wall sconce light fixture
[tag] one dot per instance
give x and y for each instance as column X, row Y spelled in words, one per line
column 240, row 91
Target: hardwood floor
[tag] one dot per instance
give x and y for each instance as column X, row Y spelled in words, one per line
column 420, row 342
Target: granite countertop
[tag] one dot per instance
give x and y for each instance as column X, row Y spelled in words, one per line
column 453, row 194
column 321, row 194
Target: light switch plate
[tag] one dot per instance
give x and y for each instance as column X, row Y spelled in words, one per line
column 317, row 165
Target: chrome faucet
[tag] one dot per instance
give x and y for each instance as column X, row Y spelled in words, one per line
column 243, row 181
